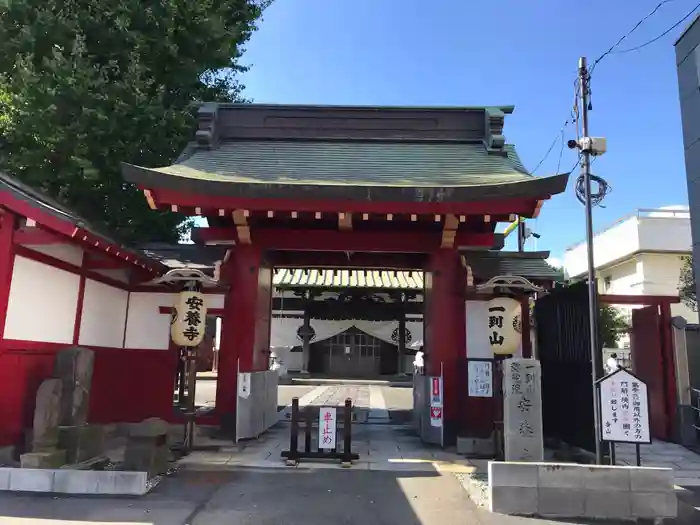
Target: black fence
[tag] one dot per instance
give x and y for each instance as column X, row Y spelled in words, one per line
column 564, row 351
column 310, row 420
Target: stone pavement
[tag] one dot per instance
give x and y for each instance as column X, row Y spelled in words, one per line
column 685, row 463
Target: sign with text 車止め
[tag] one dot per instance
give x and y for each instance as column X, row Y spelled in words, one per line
column 624, row 408
column 480, row 378
column 326, row 428
column 503, row 325
column 188, row 323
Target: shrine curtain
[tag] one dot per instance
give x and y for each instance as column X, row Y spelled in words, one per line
column 284, row 330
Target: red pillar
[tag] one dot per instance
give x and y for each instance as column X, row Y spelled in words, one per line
column 445, row 330
column 11, row 380
column 245, row 331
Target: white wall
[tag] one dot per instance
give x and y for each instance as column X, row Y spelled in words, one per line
column 43, row 303
column 146, row 327
column 478, row 346
column 64, row 252
column 103, row 316
column 663, row 230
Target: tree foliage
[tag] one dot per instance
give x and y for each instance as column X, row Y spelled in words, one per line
column 88, row 84
column 686, row 285
column 611, row 324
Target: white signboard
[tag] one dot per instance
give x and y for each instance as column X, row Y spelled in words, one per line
column 326, row 428
column 624, row 408
column 480, row 377
column 244, row 385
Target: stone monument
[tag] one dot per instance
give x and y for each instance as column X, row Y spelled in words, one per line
column 45, row 433
column 73, row 367
column 522, row 410
column 147, row 449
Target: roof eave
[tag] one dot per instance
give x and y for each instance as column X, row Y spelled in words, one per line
column 153, row 179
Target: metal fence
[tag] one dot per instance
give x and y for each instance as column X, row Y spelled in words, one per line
column 257, row 403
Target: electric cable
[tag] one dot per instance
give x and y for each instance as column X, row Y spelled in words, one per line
column 626, row 35
column 649, row 42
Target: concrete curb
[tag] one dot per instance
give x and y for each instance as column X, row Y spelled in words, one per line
column 62, row 481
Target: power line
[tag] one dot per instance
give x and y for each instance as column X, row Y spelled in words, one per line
column 622, row 39
column 649, row 42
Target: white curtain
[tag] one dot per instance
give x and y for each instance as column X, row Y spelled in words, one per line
column 416, row 330
column 283, row 332
column 380, row 329
column 327, row 329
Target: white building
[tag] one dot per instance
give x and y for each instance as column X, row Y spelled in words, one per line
column 641, row 254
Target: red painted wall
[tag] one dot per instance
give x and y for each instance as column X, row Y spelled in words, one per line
column 127, row 385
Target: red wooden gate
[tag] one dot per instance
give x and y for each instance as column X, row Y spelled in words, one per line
column 652, row 361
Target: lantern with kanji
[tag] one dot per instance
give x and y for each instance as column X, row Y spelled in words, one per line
column 502, row 328
column 188, row 324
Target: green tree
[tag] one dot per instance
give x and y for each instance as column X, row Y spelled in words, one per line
column 686, row 285
column 612, row 325
column 88, row 84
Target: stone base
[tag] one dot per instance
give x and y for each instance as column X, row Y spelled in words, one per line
column 81, row 442
column 476, row 447
column 42, row 460
column 7, row 455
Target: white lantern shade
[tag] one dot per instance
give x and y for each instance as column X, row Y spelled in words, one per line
column 501, row 330
column 189, row 319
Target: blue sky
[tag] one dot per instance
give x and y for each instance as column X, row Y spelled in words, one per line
column 459, row 52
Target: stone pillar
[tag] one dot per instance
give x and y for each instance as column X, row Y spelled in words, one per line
column 245, row 331
column 445, row 331
column 522, row 410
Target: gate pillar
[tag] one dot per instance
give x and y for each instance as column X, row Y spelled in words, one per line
column 445, row 330
column 245, row 327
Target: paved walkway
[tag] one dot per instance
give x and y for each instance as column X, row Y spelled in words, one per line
column 686, row 464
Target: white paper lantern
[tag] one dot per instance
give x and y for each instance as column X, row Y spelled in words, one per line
column 188, row 324
column 501, row 329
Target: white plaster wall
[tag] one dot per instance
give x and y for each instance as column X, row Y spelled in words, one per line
column 609, row 245
column 146, row 327
column 64, row 252
column 646, row 231
column 665, row 233
column 42, row 304
column 103, row 316
column 625, row 278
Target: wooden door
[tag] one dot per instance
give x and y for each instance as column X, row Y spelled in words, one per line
column 646, row 344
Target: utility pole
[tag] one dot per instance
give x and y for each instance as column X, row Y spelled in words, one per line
column 592, row 282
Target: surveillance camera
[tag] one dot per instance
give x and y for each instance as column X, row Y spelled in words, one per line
column 572, row 144
column 536, row 235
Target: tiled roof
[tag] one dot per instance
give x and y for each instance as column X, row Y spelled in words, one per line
column 531, row 265
column 290, row 278
column 396, row 164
